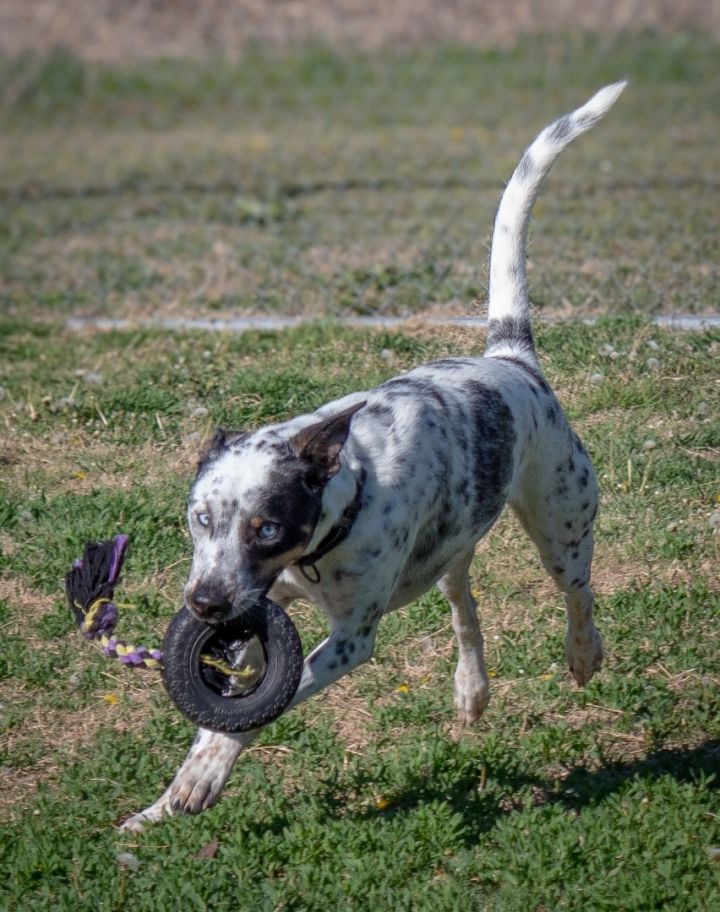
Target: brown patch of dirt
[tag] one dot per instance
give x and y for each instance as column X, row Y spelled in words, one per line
column 79, row 463
column 142, row 29
column 30, row 603
column 464, row 340
column 583, row 716
column 678, row 681
column 326, row 261
column 352, row 722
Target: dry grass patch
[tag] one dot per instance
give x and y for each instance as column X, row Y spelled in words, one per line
column 141, row 31
column 351, row 721
column 78, row 463
column 58, row 739
column 29, row 605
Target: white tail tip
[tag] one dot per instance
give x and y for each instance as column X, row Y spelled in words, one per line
column 603, row 100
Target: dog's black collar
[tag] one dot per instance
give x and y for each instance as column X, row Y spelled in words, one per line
column 336, row 535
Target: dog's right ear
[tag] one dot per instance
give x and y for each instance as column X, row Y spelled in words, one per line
column 320, row 443
column 221, row 440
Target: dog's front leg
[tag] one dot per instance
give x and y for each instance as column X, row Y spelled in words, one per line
column 200, row 780
column 336, row 656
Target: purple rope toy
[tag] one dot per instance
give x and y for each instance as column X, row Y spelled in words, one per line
column 202, row 685
column 89, row 587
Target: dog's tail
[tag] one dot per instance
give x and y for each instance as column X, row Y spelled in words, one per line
column 509, row 329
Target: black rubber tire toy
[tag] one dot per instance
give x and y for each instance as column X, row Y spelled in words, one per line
column 196, row 687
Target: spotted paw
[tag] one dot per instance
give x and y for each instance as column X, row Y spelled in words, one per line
column 584, row 655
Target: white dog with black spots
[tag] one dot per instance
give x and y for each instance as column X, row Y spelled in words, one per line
column 423, row 466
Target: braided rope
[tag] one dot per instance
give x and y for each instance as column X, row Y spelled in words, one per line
column 98, row 625
column 99, row 622
column 89, row 587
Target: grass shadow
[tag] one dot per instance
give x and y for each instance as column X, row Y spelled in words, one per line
column 585, row 786
column 481, row 808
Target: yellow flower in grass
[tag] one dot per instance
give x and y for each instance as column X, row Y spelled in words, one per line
column 112, row 698
column 382, row 804
column 402, row 689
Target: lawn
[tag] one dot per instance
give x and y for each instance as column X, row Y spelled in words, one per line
column 331, row 186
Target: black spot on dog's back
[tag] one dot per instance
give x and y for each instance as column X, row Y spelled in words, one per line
column 417, row 387
column 450, row 364
column 493, row 439
column 531, row 373
column 382, row 415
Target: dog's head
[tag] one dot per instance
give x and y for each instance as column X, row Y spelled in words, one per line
column 253, row 509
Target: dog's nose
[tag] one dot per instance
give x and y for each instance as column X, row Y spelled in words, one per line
column 208, row 599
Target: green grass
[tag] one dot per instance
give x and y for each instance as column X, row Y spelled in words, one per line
column 597, row 799
column 330, row 185
column 272, row 84
column 323, row 184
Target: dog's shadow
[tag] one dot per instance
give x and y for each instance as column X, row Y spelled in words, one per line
column 483, row 797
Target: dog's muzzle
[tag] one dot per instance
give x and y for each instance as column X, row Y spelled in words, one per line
column 211, row 602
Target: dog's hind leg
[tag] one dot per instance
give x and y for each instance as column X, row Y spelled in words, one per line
column 556, row 505
column 471, row 680
column 583, row 644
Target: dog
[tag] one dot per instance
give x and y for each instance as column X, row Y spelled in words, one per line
column 365, row 504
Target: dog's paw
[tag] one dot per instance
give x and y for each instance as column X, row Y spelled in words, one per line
column 199, row 781
column 197, row 787
column 152, row 814
column 136, row 823
column 472, row 694
column 584, row 655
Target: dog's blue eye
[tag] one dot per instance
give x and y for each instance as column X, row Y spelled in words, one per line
column 203, row 519
column 267, row 531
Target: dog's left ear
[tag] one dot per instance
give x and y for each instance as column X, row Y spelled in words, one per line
column 320, row 443
column 221, row 440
